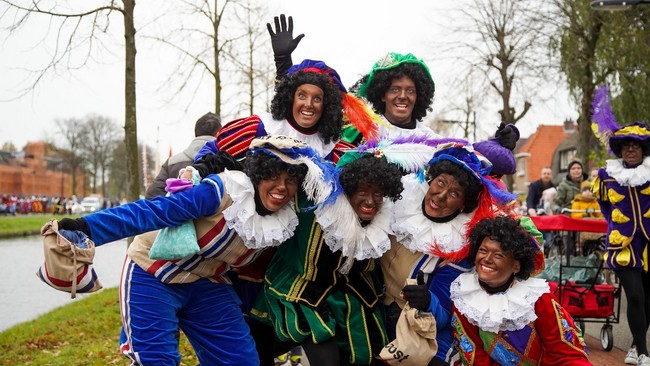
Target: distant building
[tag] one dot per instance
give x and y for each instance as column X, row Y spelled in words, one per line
column 550, row 146
column 32, row 173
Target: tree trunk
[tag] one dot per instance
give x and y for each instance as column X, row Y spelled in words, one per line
column 217, row 66
column 587, row 140
column 130, row 120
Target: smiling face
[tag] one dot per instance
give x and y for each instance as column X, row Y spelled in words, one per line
column 493, row 265
column 367, row 200
column 277, row 191
column 444, row 197
column 399, row 101
column 632, row 153
column 575, row 172
column 307, row 105
column 547, row 175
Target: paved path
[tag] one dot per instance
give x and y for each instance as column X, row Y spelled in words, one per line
column 599, row 357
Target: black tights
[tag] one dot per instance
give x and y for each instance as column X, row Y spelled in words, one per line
column 322, row 354
column 636, row 285
column 328, row 354
column 268, row 346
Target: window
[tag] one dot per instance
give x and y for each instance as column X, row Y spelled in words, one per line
column 565, row 157
column 521, row 167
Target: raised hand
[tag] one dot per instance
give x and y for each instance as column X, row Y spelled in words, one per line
column 283, row 44
column 282, row 39
column 418, row 295
column 507, row 135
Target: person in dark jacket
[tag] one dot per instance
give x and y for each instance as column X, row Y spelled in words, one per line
column 205, row 130
column 534, row 198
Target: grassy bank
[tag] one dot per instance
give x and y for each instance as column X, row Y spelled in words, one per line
column 86, row 332
column 21, row 225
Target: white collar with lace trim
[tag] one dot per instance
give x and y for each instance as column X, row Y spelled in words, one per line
column 393, row 132
column 283, row 127
column 510, row 310
column 343, row 231
column 256, row 231
column 629, row 177
column 415, row 231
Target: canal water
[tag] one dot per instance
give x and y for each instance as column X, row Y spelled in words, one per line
column 24, row 297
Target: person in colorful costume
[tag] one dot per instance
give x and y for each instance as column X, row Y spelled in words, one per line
column 502, row 316
column 400, row 89
column 429, row 225
column 310, row 104
column 237, row 216
column 323, row 287
column 622, row 189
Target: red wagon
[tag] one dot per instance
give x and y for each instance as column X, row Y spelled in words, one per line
column 587, row 302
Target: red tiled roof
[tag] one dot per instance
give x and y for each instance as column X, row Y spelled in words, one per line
column 541, row 145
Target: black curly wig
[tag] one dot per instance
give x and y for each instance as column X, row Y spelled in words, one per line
column 330, row 123
column 382, row 80
column 370, row 169
column 467, row 180
column 260, row 166
column 513, row 239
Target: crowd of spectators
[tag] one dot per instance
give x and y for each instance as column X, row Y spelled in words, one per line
column 12, row 204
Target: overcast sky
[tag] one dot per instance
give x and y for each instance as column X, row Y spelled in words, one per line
column 348, row 35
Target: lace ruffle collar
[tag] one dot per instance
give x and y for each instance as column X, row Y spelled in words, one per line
column 415, row 231
column 506, row 311
column 343, row 231
column 282, row 127
column 394, row 132
column 631, row 177
column 256, row 231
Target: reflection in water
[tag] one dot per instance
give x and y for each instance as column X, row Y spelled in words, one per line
column 24, row 297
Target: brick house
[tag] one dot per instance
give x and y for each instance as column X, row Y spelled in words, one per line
column 33, row 173
column 548, row 146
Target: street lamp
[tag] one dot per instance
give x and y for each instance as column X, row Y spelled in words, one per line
column 614, row 5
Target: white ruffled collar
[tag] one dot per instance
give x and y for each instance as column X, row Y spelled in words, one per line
column 629, row 177
column 392, row 131
column 343, row 231
column 506, row 311
column 283, row 127
column 415, row 231
column 255, row 230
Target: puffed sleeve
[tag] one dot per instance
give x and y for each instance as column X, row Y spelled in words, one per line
column 468, row 341
column 560, row 337
column 147, row 215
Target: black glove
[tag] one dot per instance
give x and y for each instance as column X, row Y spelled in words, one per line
column 506, row 136
column 75, row 224
column 217, row 163
column 418, row 295
column 283, row 44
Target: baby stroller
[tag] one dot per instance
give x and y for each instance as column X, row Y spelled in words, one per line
column 595, row 298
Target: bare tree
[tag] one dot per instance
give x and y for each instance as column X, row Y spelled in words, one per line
column 221, row 43
column 73, row 133
column 198, row 38
column 503, row 48
column 98, row 146
column 8, row 146
column 465, row 104
column 78, row 33
column 252, row 59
